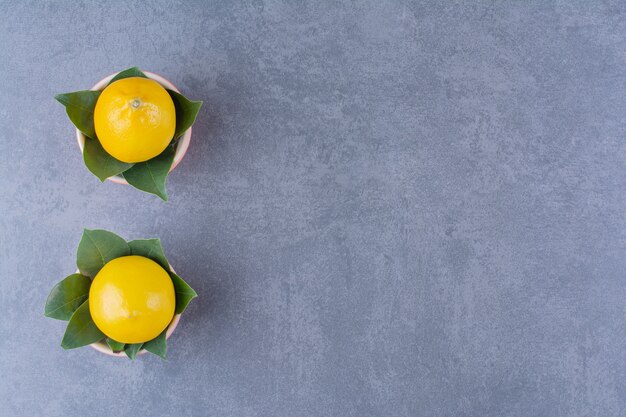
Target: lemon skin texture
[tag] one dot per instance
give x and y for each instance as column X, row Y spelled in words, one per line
column 132, row 299
column 134, row 119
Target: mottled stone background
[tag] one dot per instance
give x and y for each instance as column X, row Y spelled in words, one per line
column 388, row 208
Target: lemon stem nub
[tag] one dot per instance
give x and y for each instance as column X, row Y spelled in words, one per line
column 135, row 103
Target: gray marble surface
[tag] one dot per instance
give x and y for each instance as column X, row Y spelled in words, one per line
column 388, row 208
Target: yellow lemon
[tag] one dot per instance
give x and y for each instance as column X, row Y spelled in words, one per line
column 135, row 119
column 132, row 299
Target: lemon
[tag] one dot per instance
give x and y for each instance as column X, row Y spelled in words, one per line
column 132, row 299
column 135, row 119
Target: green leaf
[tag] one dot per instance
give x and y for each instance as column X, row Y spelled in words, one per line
column 99, row 162
column 149, row 248
column 127, row 73
column 132, row 349
column 67, row 296
column 150, row 176
column 79, row 106
column 186, row 112
column 115, row 346
column 158, row 345
column 81, row 330
column 96, row 248
column 184, row 293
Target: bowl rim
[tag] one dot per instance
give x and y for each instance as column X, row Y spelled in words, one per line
column 183, row 142
column 102, row 347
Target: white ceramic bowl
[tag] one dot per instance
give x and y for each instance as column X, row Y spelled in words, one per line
column 183, row 142
column 104, row 348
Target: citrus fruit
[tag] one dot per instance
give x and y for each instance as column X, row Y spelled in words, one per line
column 135, row 119
column 131, row 299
